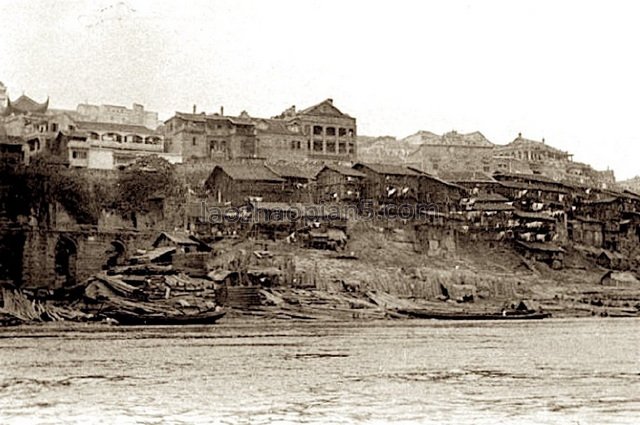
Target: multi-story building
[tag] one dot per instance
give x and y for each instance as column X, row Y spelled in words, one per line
column 210, row 136
column 452, row 151
column 118, row 115
column 26, row 127
column 320, row 132
column 530, row 156
column 99, row 145
column 3, row 96
column 279, row 139
column 527, row 156
column 329, row 134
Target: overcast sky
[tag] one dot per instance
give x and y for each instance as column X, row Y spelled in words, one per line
column 566, row 71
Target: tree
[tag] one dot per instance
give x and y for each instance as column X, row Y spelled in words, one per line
column 148, row 178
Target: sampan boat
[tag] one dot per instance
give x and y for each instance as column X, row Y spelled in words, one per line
column 427, row 314
column 127, row 318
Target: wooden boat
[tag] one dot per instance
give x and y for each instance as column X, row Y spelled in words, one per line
column 511, row 315
column 127, row 318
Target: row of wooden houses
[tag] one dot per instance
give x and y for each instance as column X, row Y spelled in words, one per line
column 532, row 209
column 380, row 184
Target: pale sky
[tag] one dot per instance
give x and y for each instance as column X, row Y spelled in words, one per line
column 567, row 71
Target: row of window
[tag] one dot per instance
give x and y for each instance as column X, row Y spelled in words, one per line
column 317, row 146
column 318, row 130
column 330, row 147
column 79, row 154
column 218, row 145
column 132, row 138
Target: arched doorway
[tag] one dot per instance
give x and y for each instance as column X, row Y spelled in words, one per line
column 66, row 254
column 116, row 254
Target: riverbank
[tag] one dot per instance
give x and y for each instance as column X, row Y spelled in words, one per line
column 379, row 276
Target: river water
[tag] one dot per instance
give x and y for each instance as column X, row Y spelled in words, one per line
column 578, row 371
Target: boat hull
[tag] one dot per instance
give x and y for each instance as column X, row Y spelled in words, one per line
column 129, row 319
column 425, row 314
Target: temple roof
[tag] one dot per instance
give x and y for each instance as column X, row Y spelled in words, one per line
column 25, row 105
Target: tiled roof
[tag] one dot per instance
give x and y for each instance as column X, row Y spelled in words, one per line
column 452, row 138
column 493, row 206
column 255, row 172
column 533, row 216
column 424, row 174
column 467, row 176
column 538, row 178
column 312, row 109
column 191, row 117
column 345, row 171
column 389, row 169
column 523, row 142
column 490, row 197
column 181, row 239
column 276, row 126
column 293, row 171
column 532, row 186
column 107, row 126
column 25, row 104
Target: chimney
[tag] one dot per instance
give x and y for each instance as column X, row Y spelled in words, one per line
column 222, row 111
column 330, row 101
column 194, row 108
column 543, row 140
column 519, row 135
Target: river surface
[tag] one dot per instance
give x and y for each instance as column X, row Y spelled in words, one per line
column 577, row 371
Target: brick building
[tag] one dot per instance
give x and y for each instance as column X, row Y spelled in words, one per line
column 328, row 133
column 210, row 136
column 118, row 115
column 452, row 151
column 279, row 139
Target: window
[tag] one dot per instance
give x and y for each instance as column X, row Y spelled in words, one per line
column 331, row 131
column 342, row 132
column 54, row 126
column 193, row 141
column 317, row 130
column 351, row 132
column 331, row 146
column 317, row 145
column 342, row 147
column 79, row 154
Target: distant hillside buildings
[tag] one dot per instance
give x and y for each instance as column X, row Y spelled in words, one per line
column 108, row 136
column 118, row 115
column 455, row 152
